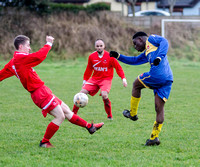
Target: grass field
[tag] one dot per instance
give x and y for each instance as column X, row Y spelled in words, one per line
column 120, row 143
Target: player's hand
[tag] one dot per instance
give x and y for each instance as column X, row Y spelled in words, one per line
column 84, row 81
column 50, row 39
column 124, row 82
column 114, row 54
column 156, row 61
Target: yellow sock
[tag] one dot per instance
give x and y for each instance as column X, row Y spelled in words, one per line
column 134, row 105
column 156, row 130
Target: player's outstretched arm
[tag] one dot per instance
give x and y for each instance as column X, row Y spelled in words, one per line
column 114, row 54
column 37, row 57
column 131, row 60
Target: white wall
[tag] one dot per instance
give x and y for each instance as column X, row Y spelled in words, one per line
column 195, row 11
column 114, row 6
column 192, row 11
column 148, row 6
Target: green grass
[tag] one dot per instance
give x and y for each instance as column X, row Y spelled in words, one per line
column 121, row 141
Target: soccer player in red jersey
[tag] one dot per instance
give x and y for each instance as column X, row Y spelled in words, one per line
column 21, row 66
column 99, row 74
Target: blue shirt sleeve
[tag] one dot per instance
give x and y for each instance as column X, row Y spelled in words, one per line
column 133, row 60
column 160, row 42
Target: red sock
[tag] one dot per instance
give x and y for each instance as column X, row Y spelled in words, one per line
column 79, row 121
column 107, row 106
column 75, row 109
column 50, row 131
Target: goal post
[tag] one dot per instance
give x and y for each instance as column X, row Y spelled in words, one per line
column 163, row 21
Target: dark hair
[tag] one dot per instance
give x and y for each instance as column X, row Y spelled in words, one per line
column 139, row 34
column 20, row 39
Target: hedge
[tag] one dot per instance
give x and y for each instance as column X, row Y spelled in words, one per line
column 59, row 7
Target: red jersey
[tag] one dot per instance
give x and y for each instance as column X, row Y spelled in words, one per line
column 21, row 66
column 102, row 68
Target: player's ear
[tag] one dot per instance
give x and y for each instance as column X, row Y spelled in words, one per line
column 20, row 46
column 140, row 39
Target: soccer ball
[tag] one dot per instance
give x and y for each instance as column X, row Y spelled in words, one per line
column 81, row 100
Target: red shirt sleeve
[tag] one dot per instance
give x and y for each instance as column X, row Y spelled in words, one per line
column 89, row 70
column 36, row 58
column 118, row 68
column 7, row 71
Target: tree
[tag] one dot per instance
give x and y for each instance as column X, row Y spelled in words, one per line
column 132, row 4
column 39, row 6
column 171, row 5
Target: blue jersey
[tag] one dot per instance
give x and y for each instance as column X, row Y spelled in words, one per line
column 156, row 46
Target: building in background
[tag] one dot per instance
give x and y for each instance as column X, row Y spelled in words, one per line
column 181, row 7
column 115, row 5
column 71, row 1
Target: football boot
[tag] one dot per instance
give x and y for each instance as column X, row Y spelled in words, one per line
column 127, row 114
column 110, row 118
column 45, row 144
column 149, row 142
column 94, row 127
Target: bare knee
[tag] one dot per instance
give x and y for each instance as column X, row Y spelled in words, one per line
column 58, row 114
column 137, row 86
column 67, row 112
column 104, row 95
column 84, row 91
column 60, row 117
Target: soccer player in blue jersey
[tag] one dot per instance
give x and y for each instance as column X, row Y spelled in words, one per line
column 160, row 78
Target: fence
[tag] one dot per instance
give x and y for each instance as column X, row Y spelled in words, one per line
column 152, row 21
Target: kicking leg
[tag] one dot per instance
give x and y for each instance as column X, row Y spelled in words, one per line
column 75, row 119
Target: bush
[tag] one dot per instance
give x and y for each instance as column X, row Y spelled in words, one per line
column 42, row 7
column 38, row 6
column 60, row 7
column 97, row 7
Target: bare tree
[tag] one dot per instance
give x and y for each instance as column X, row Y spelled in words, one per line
column 132, row 4
column 171, row 5
column 122, row 1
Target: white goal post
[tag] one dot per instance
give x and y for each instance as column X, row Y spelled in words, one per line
column 163, row 21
